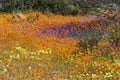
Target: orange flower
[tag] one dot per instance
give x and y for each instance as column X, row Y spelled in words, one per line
column 113, row 31
column 95, row 47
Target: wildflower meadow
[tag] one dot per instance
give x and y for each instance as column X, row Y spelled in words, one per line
column 57, row 47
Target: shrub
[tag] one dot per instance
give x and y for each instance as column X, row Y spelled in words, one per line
column 64, row 7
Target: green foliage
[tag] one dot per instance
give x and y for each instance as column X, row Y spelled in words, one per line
column 65, row 7
column 72, row 9
column 90, row 38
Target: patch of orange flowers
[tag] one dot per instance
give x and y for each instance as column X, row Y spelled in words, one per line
column 26, row 56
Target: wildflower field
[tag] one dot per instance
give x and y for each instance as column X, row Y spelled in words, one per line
column 60, row 47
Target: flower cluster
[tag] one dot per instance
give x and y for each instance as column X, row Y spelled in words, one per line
column 59, row 47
